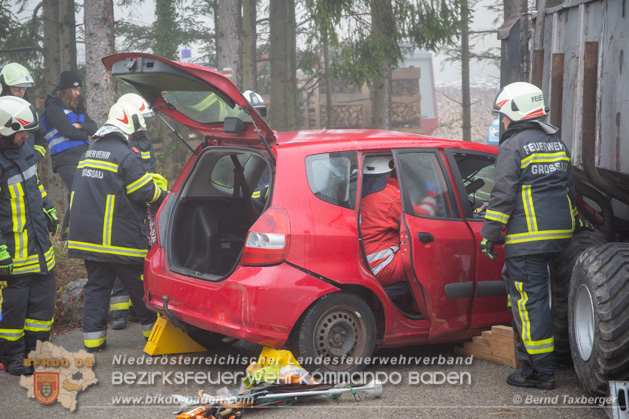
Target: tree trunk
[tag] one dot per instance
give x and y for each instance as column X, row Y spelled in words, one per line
column 173, row 153
column 466, row 112
column 67, row 35
column 52, row 70
column 229, row 35
column 382, row 29
column 327, row 79
column 249, row 46
column 52, row 63
column 279, row 57
column 291, row 65
column 166, row 43
column 99, row 42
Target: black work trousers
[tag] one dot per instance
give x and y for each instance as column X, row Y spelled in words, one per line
column 120, row 303
column 27, row 304
column 100, row 280
column 527, row 283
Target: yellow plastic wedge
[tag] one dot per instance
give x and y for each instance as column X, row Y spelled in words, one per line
column 167, row 339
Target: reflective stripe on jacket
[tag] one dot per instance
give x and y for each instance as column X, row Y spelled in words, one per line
column 142, row 146
column 23, row 224
column 110, row 191
column 533, row 194
column 57, row 142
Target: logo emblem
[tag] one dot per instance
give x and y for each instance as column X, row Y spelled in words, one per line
column 46, row 386
column 125, row 120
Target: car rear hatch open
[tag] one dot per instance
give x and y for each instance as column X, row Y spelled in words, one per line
column 200, row 98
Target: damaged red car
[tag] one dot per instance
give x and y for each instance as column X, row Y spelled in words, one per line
column 261, row 238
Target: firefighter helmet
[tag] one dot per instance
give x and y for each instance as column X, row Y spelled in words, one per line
column 138, row 101
column 16, row 75
column 520, row 101
column 126, row 117
column 16, row 115
column 377, row 165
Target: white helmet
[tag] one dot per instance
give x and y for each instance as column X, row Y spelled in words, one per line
column 377, row 165
column 256, row 101
column 138, row 101
column 126, row 117
column 16, row 75
column 519, row 101
column 16, row 115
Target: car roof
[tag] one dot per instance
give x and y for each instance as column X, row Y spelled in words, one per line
column 352, row 139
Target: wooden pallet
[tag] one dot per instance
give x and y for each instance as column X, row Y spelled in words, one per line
column 495, row 345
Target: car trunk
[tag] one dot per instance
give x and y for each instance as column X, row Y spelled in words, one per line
column 209, row 221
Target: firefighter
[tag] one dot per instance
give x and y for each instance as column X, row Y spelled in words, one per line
column 27, row 260
column 15, row 81
column 108, row 222
column 380, row 212
column 120, row 304
column 534, row 198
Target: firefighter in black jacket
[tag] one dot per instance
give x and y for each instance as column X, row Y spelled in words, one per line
column 534, row 197
column 27, row 260
column 120, row 304
column 15, row 81
column 107, row 223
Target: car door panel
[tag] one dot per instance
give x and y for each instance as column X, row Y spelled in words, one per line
column 438, row 253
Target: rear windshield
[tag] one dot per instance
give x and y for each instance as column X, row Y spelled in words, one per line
column 203, row 106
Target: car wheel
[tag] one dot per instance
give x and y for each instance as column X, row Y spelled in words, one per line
column 560, row 273
column 336, row 327
column 598, row 316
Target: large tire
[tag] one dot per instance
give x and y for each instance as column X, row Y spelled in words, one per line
column 337, row 326
column 560, row 273
column 598, row 316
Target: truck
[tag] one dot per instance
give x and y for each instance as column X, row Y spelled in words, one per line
column 581, row 70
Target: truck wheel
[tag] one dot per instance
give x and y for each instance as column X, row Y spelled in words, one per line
column 338, row 325
column 598, row 316
column 560, row 272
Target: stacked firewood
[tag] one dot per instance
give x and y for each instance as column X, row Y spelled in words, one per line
column 449, row 110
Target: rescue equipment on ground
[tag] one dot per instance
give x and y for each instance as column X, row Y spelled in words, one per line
column 280, row 383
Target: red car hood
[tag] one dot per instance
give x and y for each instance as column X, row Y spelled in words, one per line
column 151, row 75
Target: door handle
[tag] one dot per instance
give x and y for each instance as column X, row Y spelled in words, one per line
column 425, row 237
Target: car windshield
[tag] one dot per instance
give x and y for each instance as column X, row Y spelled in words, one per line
column 203, row 106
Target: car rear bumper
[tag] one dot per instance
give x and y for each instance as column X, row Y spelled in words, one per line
column 257, row 304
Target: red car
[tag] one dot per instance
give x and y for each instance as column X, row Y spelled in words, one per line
column 295, row 274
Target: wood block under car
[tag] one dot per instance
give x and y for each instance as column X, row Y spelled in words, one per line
column 495, row 345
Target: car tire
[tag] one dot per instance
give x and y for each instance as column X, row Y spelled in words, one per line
column 598, row 316
column 560, row 273
column 338, row 326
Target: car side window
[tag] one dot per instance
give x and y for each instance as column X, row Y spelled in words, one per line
column 477, row 174
column 332, row 177
column 425, row 190
column 223, row 172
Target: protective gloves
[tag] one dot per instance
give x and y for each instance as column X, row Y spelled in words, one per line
column 6, row 263
column 487, row 247
column 52, row 221
column 160, row 180
column 580, row 225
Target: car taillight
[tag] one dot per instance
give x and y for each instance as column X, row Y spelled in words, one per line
column 268, row 239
